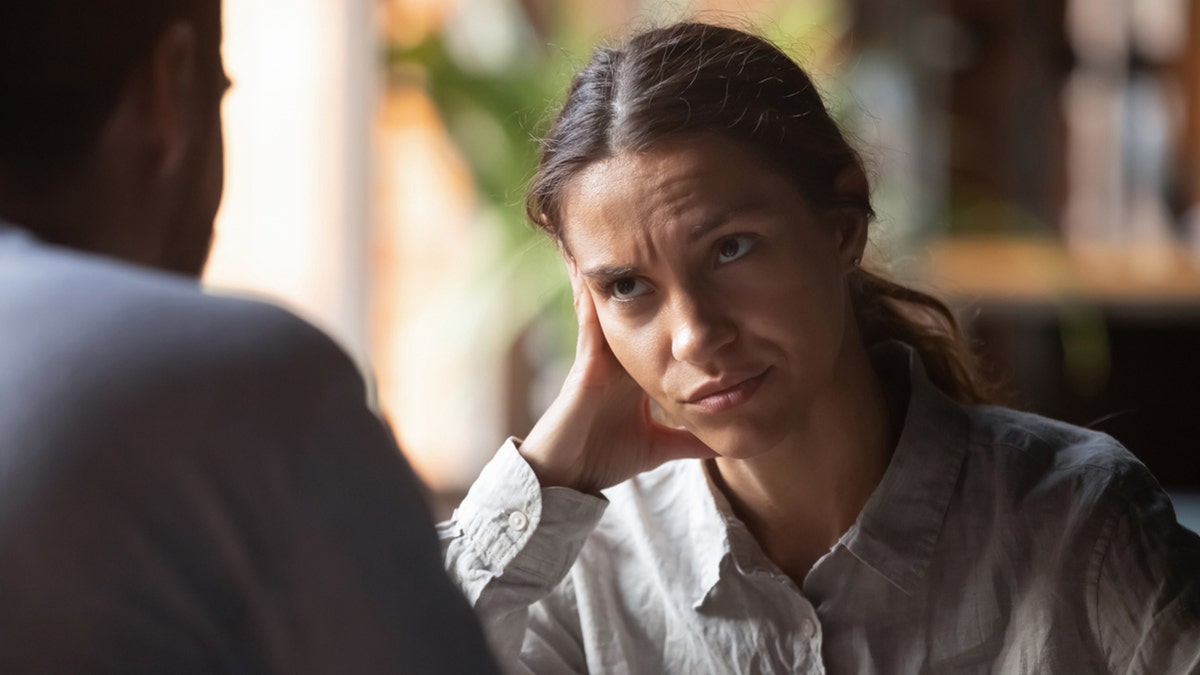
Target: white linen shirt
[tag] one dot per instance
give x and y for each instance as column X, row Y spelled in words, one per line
column 996, row 542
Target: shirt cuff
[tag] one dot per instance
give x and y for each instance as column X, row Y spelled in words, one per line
column 512, row 520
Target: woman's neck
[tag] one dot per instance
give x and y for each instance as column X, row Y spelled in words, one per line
column 800, row 497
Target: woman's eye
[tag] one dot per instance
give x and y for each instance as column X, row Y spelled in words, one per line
column 733, row 248
column 627, row 288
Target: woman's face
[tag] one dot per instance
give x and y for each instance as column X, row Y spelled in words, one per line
column 717, row 287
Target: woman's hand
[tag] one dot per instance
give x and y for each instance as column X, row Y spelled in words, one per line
column 599, row 430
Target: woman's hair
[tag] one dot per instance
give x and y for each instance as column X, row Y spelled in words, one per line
column 693, row 77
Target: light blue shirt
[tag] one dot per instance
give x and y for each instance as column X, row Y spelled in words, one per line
column 195, row 484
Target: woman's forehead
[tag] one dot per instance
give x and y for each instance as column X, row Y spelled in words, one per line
column 628, row 198
column 684, row 182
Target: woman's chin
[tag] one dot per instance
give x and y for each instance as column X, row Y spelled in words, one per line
column 737, row 441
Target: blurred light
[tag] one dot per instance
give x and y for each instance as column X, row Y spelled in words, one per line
column 1095, row 196
column 1099, row 30
column 1160, row 27
column 409, row 22
column 483, row 35
column 433, row 376
column 292, row 212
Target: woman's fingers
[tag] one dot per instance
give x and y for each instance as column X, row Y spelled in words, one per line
column 573, row 276
column 591, row 345
column 591, row 342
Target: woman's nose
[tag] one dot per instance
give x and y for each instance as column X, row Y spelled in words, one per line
column 700, row 329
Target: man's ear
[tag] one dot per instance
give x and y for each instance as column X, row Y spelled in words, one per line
column 169, row 96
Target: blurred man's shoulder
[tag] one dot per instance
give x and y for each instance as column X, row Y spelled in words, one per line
column 73, row 316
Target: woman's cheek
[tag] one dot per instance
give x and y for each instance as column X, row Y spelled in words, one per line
column 636, row 350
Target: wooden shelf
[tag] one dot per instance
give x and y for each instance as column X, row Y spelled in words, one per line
column 1039, row 271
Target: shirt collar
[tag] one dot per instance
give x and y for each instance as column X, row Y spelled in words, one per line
column 899, row 526
column 712, row 520
column 721, row 539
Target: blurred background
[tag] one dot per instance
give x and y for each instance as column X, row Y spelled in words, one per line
column 1036, row 163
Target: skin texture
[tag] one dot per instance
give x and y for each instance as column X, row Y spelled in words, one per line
column 706, row 284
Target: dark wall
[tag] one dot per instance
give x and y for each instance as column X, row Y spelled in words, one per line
column 1133, row 373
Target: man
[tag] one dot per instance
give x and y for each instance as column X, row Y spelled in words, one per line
column 188, row 483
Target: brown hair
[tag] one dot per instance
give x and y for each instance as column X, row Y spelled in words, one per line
column 692, row 77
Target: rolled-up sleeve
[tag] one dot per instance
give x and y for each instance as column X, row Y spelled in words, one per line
column 509, row 546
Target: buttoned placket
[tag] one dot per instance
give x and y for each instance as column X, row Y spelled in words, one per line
column 808, row 623
column 747, row 559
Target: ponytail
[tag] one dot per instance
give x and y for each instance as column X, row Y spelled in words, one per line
column 887, row 310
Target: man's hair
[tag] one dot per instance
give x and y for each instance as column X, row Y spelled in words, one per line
column 63, row 64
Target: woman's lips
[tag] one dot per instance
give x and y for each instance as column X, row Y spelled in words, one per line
column 718, row 397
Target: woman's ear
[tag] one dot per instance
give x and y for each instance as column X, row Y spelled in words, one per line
column 850, row 234
column 850, row 223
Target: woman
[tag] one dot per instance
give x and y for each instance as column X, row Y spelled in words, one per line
column 845, row 502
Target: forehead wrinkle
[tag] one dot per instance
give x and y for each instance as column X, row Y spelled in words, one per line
column 624, row 204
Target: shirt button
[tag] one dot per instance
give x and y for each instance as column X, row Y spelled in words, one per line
column 809, row 628
column 518, row 521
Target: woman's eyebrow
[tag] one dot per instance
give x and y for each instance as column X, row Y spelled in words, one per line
column 709, row 224
column 609, row 272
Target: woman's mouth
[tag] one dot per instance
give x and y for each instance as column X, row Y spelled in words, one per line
column 726, row 393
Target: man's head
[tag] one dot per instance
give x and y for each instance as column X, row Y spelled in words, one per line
column 110, row 131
